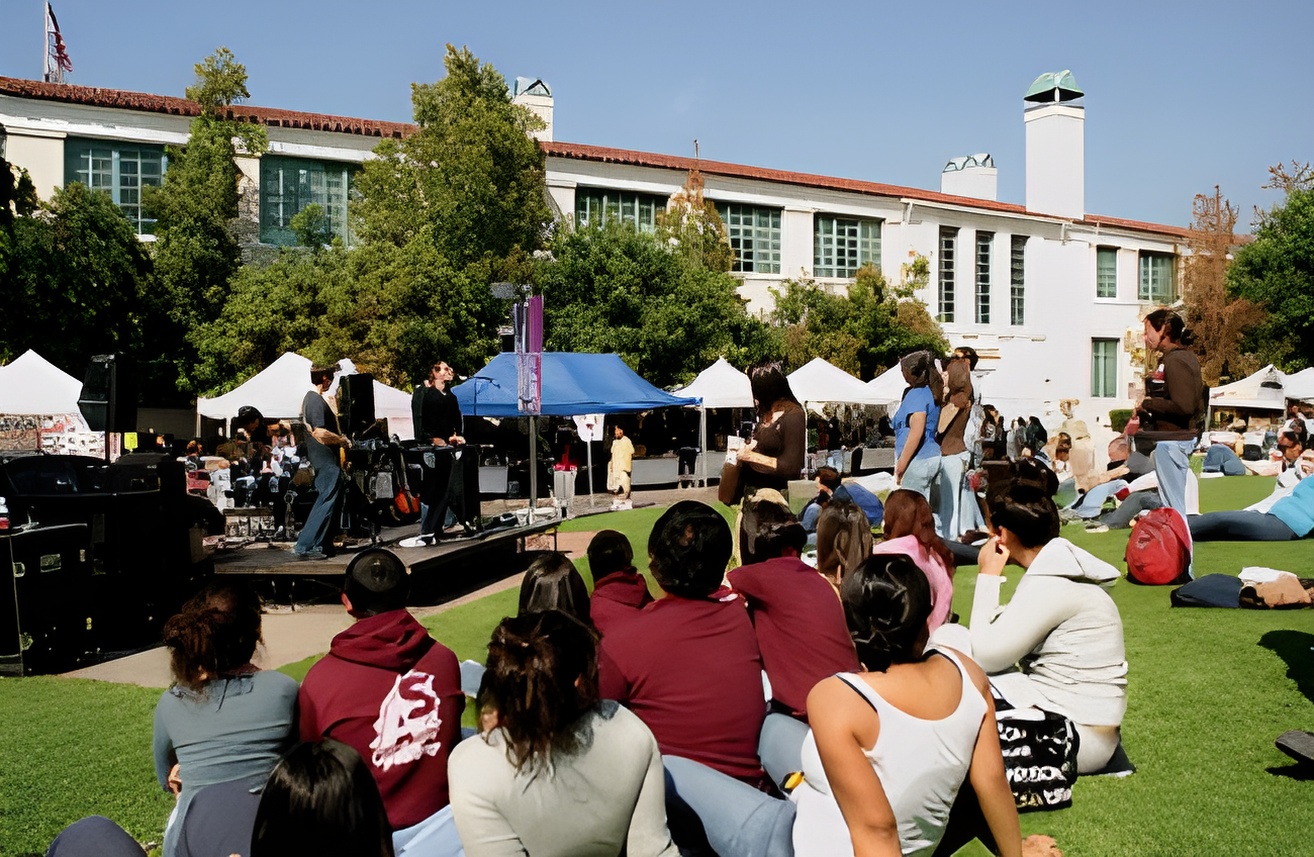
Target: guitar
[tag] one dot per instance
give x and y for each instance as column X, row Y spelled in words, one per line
column 406, row 502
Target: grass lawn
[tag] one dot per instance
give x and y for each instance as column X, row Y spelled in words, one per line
column 1209, row 692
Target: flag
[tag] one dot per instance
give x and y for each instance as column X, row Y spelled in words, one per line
column 57, row 61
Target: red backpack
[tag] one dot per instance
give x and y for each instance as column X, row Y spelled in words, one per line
column 1159, row 550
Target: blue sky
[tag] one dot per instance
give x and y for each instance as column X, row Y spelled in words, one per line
column 1180, row 96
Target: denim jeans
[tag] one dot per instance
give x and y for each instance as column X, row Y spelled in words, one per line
column 1091, row 503
column 922, row 473
column 1172, row 462
column 1240, row 526
column 704, row 807
column 328, row 483
column 436, row 836
column 952, row 469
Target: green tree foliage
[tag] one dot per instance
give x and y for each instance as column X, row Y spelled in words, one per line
column 471, row 180
column 1276, row 270
column 863, row 330
column 196, row 209
column 613, row 288
column 82, row 279
column 694, row 229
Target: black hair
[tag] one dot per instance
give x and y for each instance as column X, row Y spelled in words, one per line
column 321, row 799
column 248, row 414
column 688, row 549
column 969, row 354
column 609, row 551
column 376, row 582
column 1171, row 326
column 844, row 539
column 887, row 600
column 216, row 632
column 553, row 583
column 541, row 678
column 919, row 371
column 767, row 530
column 1023, row 502
column 769, row 386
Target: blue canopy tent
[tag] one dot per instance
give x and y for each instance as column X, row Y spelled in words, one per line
column 572, row 384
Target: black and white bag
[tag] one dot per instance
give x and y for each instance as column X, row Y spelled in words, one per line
column 1040, row 756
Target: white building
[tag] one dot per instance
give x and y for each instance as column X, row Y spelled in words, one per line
column 1044, row 291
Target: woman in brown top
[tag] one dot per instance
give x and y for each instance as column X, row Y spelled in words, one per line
column 775, row 454
column 954, row 454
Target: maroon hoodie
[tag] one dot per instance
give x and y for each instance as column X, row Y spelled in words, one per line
column 617, row 597
column 393, row 693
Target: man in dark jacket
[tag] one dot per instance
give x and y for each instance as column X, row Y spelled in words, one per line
column 392, row 692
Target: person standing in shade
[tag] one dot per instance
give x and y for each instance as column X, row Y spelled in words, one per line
column 622, row 463
column 323, row 440
column 438, row 421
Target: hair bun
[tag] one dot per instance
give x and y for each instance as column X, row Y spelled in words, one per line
column 1032, row 481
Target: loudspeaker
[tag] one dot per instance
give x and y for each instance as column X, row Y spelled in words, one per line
column 355, row 404
column 109, row 394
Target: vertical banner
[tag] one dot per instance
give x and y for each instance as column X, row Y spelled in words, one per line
column 529, row 354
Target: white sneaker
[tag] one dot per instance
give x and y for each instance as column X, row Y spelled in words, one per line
column 420, row 541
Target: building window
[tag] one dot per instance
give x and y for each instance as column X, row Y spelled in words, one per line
column 1157, row 283
column 1017, row 294
column 754, row 237
column 840, row 246
column 118, row 169
column 948, row 244
column 288, row 185
column 1104, row 368
column 1106, row 272
column 596, row 206
column 984, row 241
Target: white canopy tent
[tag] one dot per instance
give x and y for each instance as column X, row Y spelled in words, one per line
column 278, row 389
column 31, row 384
column 1260, row 391
column 820, row 381
column 719, row 386
column 889, row 384
column 1300, row 385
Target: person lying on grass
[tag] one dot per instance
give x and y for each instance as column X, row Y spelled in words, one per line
column 1289, row 518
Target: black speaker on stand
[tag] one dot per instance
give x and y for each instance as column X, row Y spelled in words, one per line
column 109, row 396
column 356, row 404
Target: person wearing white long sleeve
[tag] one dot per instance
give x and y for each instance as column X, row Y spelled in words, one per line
column 1058, row 643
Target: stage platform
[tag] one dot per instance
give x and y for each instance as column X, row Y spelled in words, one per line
column 438, row 572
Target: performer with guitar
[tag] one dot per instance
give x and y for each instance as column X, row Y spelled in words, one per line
column 438, row 421
column 323, row 435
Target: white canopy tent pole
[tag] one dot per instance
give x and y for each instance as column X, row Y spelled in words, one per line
column 702, row 443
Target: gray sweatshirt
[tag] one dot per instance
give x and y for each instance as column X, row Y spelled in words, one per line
column 1057, row 645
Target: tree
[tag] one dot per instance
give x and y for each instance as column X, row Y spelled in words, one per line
column 693, row 228
column 1220, row 322
column 614, row 288
column 472, row 180
column 863, row 330
column 196, row 209
column 1276, row 270
column 77, row 268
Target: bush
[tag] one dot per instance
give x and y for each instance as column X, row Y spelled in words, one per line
column 1119, row 418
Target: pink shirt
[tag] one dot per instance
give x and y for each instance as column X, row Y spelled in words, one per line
column 942, row 582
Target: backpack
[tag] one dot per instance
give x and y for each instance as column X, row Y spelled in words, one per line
column 1159, row 550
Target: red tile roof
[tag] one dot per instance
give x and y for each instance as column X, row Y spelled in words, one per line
column 124, row 100
column 585, row 152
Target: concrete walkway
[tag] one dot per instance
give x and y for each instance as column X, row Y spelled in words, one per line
column 293, row 634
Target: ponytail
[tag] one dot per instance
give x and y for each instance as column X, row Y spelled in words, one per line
column 541, row 678
column 1171, row 326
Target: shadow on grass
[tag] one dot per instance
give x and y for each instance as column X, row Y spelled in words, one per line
column 1298, row 772
column 1294, row 647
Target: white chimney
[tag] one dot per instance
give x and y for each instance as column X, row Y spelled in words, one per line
column 1056, row 147
column 535, row 95
column 971, row 175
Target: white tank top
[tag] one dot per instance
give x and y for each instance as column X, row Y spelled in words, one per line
column 921, row 765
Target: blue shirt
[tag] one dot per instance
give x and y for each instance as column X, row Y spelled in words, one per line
column 1296, row 510
column 918, row 400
